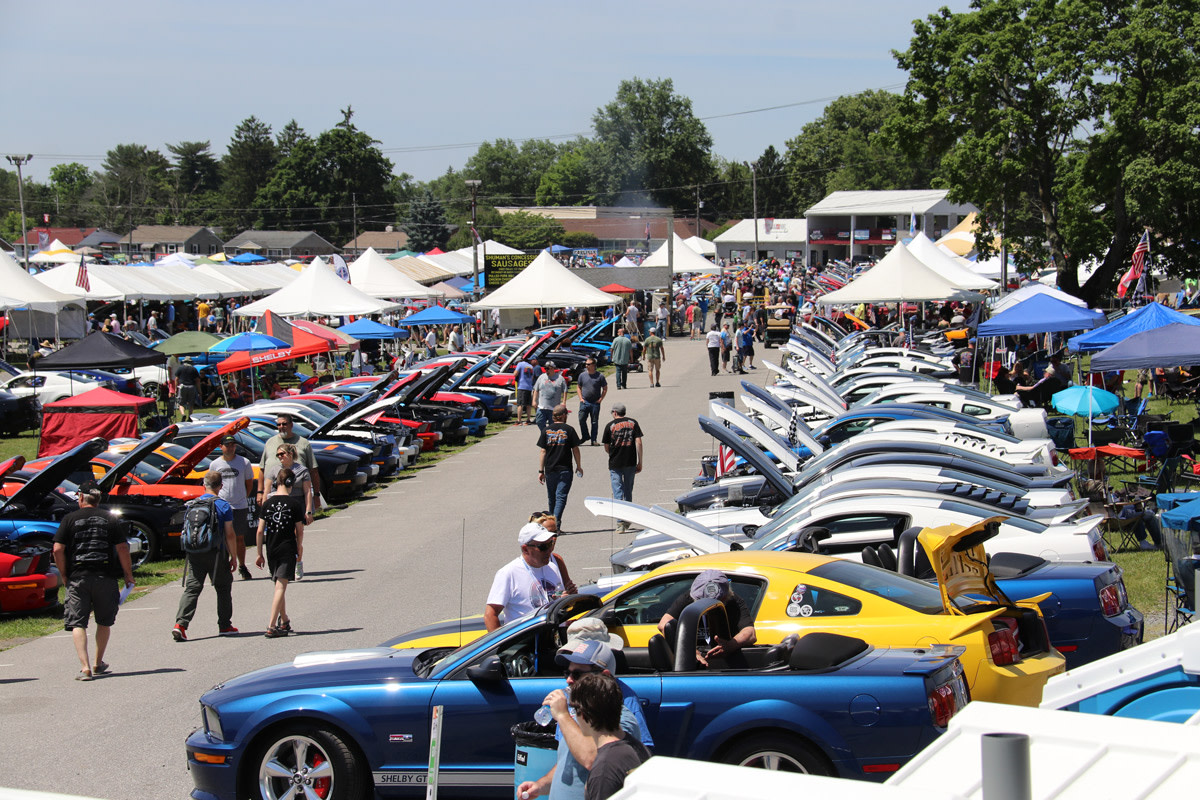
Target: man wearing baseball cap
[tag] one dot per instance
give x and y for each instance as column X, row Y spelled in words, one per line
column 712, row 584
column 237, row 485
column 528, row 582
column 589, row 649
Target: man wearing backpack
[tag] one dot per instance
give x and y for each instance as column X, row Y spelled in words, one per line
column 210, row 551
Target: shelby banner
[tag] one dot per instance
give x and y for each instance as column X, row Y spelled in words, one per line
column 501, row 268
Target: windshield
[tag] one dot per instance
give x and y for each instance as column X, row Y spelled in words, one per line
column 919, row 596
column 868, row 400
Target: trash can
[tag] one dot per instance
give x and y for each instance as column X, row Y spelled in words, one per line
column 537, row 752
column 1062, row 431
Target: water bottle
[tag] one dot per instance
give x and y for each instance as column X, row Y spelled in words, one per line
column 543, row 716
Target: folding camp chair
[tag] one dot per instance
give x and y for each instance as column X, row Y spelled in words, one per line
column 1180, row 600
column 1163, row 481
column 1121, row 532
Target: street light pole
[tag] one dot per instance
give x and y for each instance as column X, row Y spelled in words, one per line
column 473, row 185
column 18, row 162
column 754, row 185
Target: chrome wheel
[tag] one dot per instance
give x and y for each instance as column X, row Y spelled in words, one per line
column 296, row 766
column 773, row 759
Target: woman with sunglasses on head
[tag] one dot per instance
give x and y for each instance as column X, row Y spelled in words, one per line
column 281, row 532
column 547, row 521
column 528, row 582
column 300, row 490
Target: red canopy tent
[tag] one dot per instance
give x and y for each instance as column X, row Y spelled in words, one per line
column 616, row 288
column 99, row 412
column 300, row 343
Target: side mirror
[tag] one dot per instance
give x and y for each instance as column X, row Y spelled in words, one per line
column 490, row 670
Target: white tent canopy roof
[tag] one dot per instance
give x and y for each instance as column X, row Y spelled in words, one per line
column 702, row 246
column 545, row 283
column 27, row 291
column 490, row 246
column 898, row 277
column 317, row 291
column 105, row 285
column 453, row 262
column 945, row 265
column 686, row 259
column 1026, row 292
column 373, row 274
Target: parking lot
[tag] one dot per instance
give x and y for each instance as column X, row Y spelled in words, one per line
column 420, row 550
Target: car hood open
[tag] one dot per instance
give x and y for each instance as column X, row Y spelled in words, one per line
column 144, row 448
column 659, row 520
column 188, row 461
column 960, row 563
column 46, row 480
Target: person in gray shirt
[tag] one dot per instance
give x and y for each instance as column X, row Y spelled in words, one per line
column 592, row 389
column 548, row 392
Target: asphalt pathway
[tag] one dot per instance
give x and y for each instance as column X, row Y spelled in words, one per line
column 423, row 549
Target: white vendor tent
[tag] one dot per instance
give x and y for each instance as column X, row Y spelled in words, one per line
column 373, row 274
column 56, row 253
column 490, row 246
column 317, row 291
column 28, row 292
column 898, row 277
column 945, row 265
column 103, row 283
column 453, row 262
column 545, row 283
column 422, row 271
column 702, row 246
column 1033, row 289
column 34, row 309
column 686, row 259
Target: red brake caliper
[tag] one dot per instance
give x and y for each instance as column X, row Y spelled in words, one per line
column 320, row 786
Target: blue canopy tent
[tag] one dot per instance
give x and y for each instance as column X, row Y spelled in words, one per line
column 459, row 283
column 364, row 328
column 558, row 248
column 1041, row 314
column 1145, row 318
column 246, row 258
column 1171, row 345
column 436, row 315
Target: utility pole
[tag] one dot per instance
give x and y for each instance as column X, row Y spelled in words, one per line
column 354, row 206
column 699, row 205
column 18, row 162
column 754, row 185
column 473, row 185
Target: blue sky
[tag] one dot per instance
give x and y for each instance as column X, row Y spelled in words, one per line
column 422, row 76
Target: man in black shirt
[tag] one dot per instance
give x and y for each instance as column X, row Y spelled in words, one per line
column 714, row 584
column 623, row 442
column 559, row 443
column 90, row 551
column 189, row 387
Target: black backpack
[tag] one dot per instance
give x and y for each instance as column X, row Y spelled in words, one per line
column 201, row 528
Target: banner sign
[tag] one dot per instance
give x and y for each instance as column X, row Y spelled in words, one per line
column 861, row 233
column 500, row 268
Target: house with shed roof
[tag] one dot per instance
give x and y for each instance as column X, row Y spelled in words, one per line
column 151, row 242
column 277, row 245
column 73, row 238
column 867, row 223
column 388, row 240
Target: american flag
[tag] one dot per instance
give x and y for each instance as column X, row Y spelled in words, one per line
column 725, row 460
column 81, row 277
column 1138, row 266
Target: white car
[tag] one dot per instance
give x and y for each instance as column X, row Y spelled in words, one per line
column 50, row 386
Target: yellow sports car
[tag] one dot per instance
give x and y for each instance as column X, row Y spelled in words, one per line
column 1008, row 656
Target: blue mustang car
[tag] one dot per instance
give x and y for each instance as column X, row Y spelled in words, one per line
column 341, row 724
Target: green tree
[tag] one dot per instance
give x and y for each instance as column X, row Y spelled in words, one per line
column 774, row 198
column 488, row 221
column 843, row 150
column 1076, row 118
column 730, row 196
column 510, row 174
column 196, row 179
column 571, row 179
column 288, row 136
column 133, row 189
column 426, row 224
column 526, row 231
column 70, row 184
column 579, row 239
column 246, row 167
column 650, row 144
column 10, row 226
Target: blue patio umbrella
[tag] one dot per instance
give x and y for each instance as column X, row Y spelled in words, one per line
column 1085, row 401
column 247, row 341
column 247, row 258
column 436, row 315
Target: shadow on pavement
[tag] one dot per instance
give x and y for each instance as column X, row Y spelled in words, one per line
column 15, row 680
column 135, row 673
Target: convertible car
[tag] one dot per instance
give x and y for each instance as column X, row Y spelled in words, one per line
column 340, row 724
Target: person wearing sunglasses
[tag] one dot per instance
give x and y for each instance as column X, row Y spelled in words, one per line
column 528, row 582
column 304, row 458
column 300, row 490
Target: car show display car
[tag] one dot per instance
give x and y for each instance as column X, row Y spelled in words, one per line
column 341, row 724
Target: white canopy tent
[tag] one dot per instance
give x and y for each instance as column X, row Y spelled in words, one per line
column 43, row 311
column 1026, row 292
column 545, row 283
column 490, row 246
column 373, row 274
column 200, row 284
column 898, row 277
column 686, row 259
column 945, row 265
column 317, row 291
column 56, row 253
column 104, row 285
column 28, row 292
column 701, row 245
column 625, row 261
column 454, row 262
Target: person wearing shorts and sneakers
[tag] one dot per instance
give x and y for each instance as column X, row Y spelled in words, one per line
column 90, row 551
column 211, row 565
column 656, row 353
column 237, row 484
column 281, row 532
column 526, row 373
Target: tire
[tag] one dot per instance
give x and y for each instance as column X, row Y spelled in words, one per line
column 151, row 390
column 142, row 531
column 329, row 769
column 778, row 751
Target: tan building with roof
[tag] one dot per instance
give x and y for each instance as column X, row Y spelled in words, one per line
column 388, row 240
column 151, row 242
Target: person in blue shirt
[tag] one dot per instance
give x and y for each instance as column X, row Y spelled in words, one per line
column 526, row 374
column 217, row 565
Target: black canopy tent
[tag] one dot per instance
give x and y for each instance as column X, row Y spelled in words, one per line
column 101, row 350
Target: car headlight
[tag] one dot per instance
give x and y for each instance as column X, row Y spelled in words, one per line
column 212, row 722
column 342, row 470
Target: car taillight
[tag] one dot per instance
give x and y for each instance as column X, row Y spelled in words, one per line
column 1003, row 645
column 1099, row 551
column 1110, row 600
column 942, row 705
column 1054, row 458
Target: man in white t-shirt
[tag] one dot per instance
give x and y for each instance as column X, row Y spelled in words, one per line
column 431, row 343
column 528, row 582
column 237, row 484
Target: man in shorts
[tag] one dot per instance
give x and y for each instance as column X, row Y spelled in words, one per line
column 656, row 353
column 237, row 484
column 91, row 551
column 525, row 374
column 188, row 378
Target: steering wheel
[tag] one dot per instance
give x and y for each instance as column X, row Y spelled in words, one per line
column 628, row 616
column 519, row 666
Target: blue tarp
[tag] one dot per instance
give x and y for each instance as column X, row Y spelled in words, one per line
column 1041, row 314
column 436, row 315
column 1145, row 318
column 369, row 329
column 1171, row 345
column 1183, row 517
column 459, row 283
